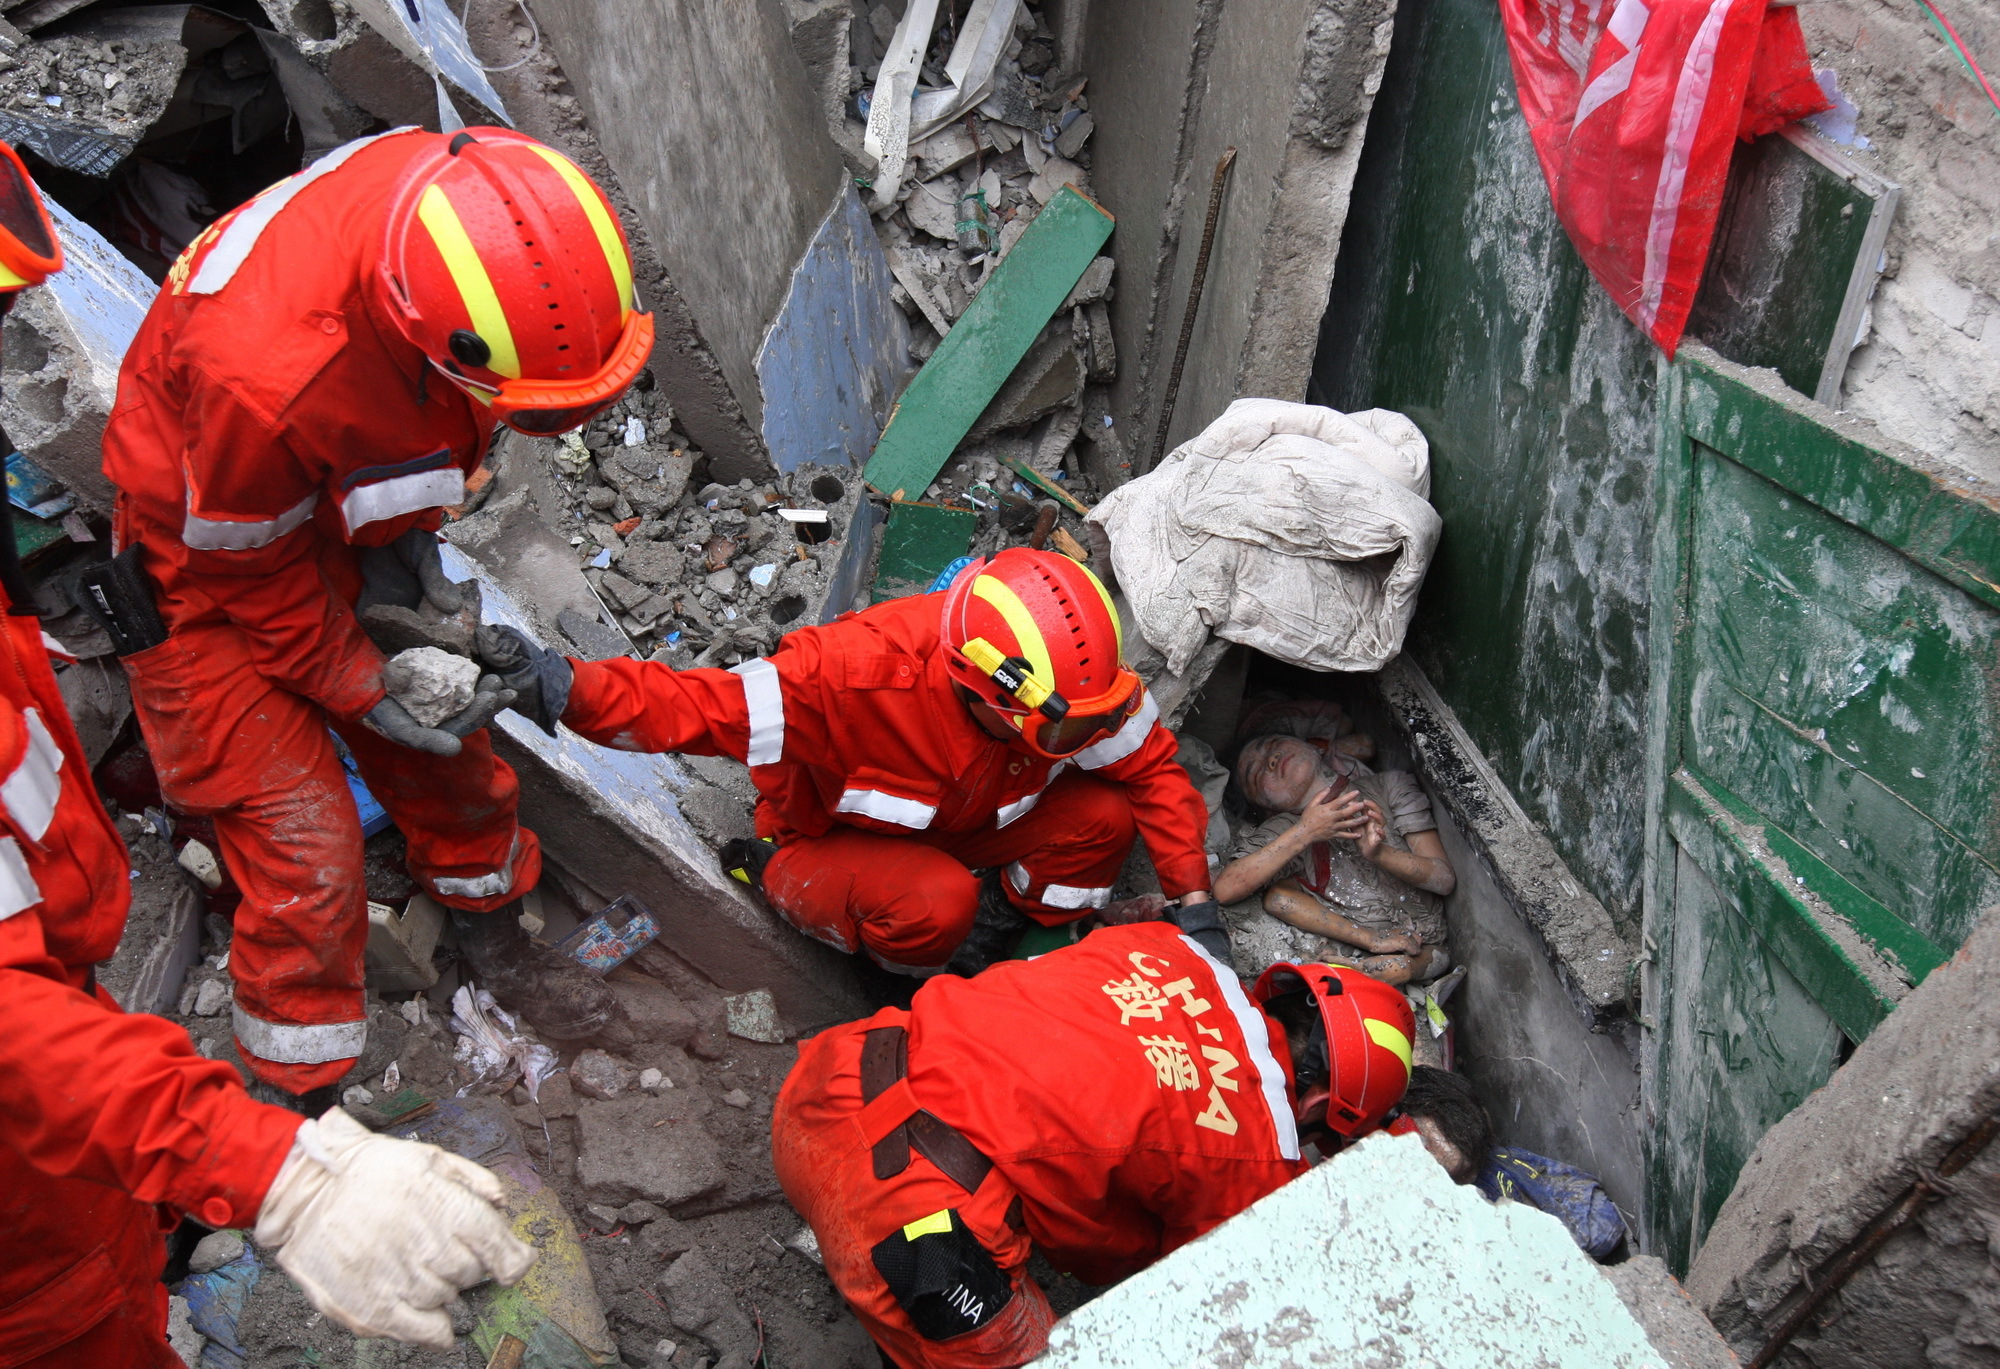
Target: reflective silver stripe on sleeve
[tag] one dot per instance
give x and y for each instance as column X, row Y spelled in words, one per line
column 30, row 793
column 1124, row 741
column 287, row 1043
column 1070, row 896
column 1251, row 1019
column 216, row 534
column 764, row 699
column 18, row 889
column 230, row 251
column 404, row 494
column 873, row 803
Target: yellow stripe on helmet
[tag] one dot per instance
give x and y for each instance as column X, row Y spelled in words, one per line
column 10, row 281
column 1117, row 624
column 600, row 223
column 1021, row 623
column 468, row 273
column 1390, row 1038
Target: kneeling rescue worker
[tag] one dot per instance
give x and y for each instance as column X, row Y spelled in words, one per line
column 111, row 1126
column 1151, row 1100
column 992, row 725
column 323, row 367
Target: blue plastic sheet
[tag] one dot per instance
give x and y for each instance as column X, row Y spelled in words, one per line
column 1565, row 1192
column 215, row 1304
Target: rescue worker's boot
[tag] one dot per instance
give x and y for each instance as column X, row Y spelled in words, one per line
column 996, row 929
column 561, row 999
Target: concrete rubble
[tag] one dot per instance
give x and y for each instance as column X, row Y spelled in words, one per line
column 431, row 684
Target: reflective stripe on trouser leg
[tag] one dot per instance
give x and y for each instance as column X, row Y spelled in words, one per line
column 492, row 884
column 1065, row 896
column 298, row 1043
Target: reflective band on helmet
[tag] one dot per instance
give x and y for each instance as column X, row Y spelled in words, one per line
column 222, row 534
column 1389, row 1037
column 289, row 1043
column 230, row 250
column 1020, row 622
column 1069, row 896
column 764, row 700
column 31, row 792
column 10, row 281
column 1125, row 740
column 608, row 240
column 404, row 494
column 873, row 803
column 1255, row 1038
column 468, row 273
column 18, row 889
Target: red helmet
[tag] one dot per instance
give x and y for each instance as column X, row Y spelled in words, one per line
column 1034, row 634
column 507, row 267
column 1369, row 1027
column 29, row 248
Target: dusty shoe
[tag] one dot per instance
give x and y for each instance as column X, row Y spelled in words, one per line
column 996, row 929
column 311, row 1103
column 562, row 1000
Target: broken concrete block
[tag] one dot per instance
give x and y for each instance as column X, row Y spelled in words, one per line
column 602, row 1215
column 400, row 945
column 161, row 943
column 396, row 629
column 651, row 1148
column 656, row 1014
column 723, row 582
column 1056, row 173
column 1050, row 377
column 431, row 685
column 933, row 208
column 199, row 861
column 211, row 998
column 754, row 1017
column 1053, row 436
column 187, row 1342
column 950, row 146
column 1103, row 365
column 1071, row 140
column 557, row 1096
column 1094, row 284
column 650, row 563
column 736, row 1098
column 215, row 1250
column 592, row 639
column 699, row 1298
column 596, row 1074
column 652, row 1081
column 622, row 593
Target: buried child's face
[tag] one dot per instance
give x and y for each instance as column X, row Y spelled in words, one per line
column 1279, row 774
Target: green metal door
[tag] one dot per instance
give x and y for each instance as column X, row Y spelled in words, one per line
column 1823, row 724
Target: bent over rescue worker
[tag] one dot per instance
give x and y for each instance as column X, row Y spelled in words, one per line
column 994, row 724
column 323, row 367
column 931, row 1149
column 110, row 1125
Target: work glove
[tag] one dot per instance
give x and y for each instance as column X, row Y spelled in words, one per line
column 380, row 1234
column 539, row 678
column 406, row 573
column 1202, row 924
column 390, row 719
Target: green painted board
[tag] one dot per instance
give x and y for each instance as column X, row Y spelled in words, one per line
column 986, row 344
column 920, row 541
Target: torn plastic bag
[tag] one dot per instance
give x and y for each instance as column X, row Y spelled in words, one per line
column 1294, row 529
column 1634, row 108
column 215, row 1304
column 492, row 1048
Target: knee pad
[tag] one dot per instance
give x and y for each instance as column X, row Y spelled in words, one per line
column 942, row 1277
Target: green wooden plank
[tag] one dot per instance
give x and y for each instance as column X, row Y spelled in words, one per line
column 1834, row 964
column 920, row 541
column 1046, row 486
column 1938, row 517
column 986, row 344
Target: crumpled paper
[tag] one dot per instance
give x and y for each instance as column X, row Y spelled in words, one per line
column 492, row 1047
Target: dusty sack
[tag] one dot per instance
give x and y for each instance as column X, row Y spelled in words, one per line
column 1294, row 529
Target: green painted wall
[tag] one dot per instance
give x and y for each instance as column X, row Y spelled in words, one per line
column 1460, row 302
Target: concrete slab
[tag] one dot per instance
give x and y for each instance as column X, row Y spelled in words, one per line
column 1375, row 1257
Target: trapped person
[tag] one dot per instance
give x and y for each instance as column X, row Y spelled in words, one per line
column 1346, row 853
column 323, row 367
column 111, row 1126
column 931, row 1149
column 991, row 725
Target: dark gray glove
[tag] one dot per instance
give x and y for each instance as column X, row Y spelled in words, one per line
column 1202, row 924
column 539, row 678
column 390, row 719
column 406, row 573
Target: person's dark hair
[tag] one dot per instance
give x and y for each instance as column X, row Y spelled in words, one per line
column 1449, row 1101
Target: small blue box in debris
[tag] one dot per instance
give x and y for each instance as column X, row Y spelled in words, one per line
column 34, row 490
column 611, row 938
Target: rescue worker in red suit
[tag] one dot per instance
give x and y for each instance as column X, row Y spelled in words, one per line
column 323, row 367
column 1151, row 1100
column 111, row 1126
column 993, row 725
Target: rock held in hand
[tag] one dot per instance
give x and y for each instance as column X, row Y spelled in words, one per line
column 432, row 685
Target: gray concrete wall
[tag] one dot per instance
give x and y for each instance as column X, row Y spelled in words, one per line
column 1288, row 83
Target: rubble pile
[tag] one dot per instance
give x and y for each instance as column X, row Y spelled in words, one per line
column 694, row 572
column 119, row 87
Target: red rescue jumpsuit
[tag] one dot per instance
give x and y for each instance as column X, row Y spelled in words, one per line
column 1128, row 1093
column 881, row 789
column 103, row 1113
column 270, row 419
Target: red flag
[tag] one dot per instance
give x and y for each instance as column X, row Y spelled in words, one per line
column 1633, row 108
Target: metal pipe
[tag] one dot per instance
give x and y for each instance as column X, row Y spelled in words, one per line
column 1215, row 188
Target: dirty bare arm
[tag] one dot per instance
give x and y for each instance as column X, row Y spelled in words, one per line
column 1423, row 866
column 1288, row 902
column 1326, row 815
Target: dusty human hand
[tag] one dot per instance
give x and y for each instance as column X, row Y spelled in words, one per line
column 1373, row 835
column 1397, row 943
column 1336, row 811
column 1126, row 911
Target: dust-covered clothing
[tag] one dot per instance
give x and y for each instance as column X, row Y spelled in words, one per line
column 1338, row 875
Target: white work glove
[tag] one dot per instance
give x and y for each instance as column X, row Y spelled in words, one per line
column 380, row 1233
